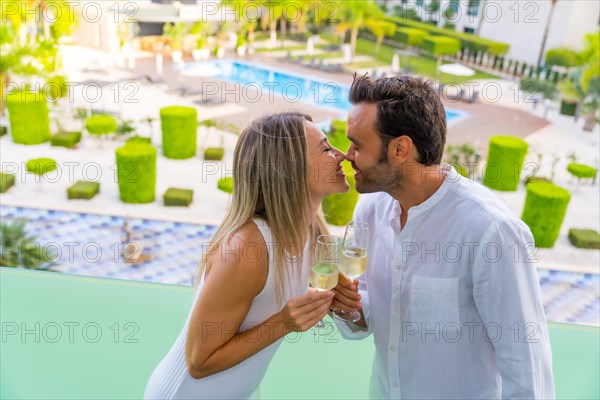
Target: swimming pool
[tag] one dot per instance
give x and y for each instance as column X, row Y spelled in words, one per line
column 292, row 88
column 89, row 244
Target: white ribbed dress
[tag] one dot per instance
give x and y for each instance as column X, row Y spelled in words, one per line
column 171, row 380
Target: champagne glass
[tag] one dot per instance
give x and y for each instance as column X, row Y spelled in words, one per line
column 353, row 261
column 324, row 273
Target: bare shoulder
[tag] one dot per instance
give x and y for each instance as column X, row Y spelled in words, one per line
column 241, row 261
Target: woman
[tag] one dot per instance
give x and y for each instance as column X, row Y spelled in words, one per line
column 254, row 279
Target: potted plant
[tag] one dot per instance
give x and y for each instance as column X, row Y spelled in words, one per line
column 175, row 33
column 201, row 51
column 18, row 249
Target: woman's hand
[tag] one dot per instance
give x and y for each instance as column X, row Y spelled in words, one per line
column 303, row 312
column 346, row 295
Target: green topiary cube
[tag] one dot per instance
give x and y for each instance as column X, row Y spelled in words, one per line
column 440, row 45
column 214, row 153
column 339, row 207
column 101, row 124
column 3, row 130
column 28, row 115
column 544, row 211
column 582, row 171
column 226, row 184
column 83, row 190
column 584, row 238
column 568, row 108
column 6, row 182
column 179, row 132
column 505, row 163
column 178, row 197
column 136, row 172
column 66, row 139
column 41, row 166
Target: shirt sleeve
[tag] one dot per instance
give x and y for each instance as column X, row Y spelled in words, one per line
column 507, row 296
column 350, row 330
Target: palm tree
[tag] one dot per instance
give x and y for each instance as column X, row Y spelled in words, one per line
column 20, row 250
column 362, row 14
column 546, row 30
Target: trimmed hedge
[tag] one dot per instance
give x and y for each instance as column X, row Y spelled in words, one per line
column 584, row 238
column 214, row 153
column 338, row 208
column 66, row 139
column 467, row 40
column 28, row 116
column 178, row 197
column 505, row 159
column 568, row 108
column 562, row 57
column 139, row 139
column 440, row 45
column 41, row 166
column 83, row 190
column 544, row 211
column 3, row 130
column 101, row 124
column 6, row 182
column 410, row 36
column 582, row 171
column 226, row 184
column 136, row 172
column 179, row 132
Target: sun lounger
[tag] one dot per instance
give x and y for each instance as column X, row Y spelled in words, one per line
column 456, row 96
column 470, row 97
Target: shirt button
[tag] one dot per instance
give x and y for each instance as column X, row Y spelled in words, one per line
column 393, row 348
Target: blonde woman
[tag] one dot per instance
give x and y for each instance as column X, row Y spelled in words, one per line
column 253, row 288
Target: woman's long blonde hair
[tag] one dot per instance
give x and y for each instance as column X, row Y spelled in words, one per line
column 270, row 174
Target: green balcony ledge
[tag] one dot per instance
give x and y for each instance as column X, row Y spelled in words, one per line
column 122, row 329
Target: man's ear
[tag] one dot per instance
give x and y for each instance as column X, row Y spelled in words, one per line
column 402, row 148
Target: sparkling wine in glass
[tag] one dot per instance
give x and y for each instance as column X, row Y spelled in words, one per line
column 324, row 273
column 353, row 260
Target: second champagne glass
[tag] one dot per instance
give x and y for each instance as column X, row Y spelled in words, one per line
column 353, row 260
column 324, row 273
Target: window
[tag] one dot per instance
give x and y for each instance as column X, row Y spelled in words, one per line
column 473, row 8
column 420, row 3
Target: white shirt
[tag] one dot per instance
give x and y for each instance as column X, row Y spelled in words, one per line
column 452, row 299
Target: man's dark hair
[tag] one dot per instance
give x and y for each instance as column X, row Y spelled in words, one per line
column 406, row 105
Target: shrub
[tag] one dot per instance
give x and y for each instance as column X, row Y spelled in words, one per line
column 410, row 36
column 584, row 238
column 3, row 130
column 6, row 182
column 338, row 208
column 139, row 139
column 439, row 45
column 101, row 124
column 41, row 166
column 337, row 135
column 179, row 131
column 544, row 211
column 506, row 155
column 226, row 184
column 530, row 85
column 65, row 139
column 136, row 172
column 582, row 171
column 214, row 153
column 568, row 107
column 28, row 116
column 562, row 57
column 178, row 197
column 83, row 190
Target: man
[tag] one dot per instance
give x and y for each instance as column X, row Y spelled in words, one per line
column 450, row 294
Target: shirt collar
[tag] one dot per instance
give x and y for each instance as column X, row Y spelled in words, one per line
column 451, row 177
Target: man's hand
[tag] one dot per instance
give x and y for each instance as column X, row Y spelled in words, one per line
column 347, row 297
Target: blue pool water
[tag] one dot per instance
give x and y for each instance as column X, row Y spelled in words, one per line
column 292, row 88
column 90, row 244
